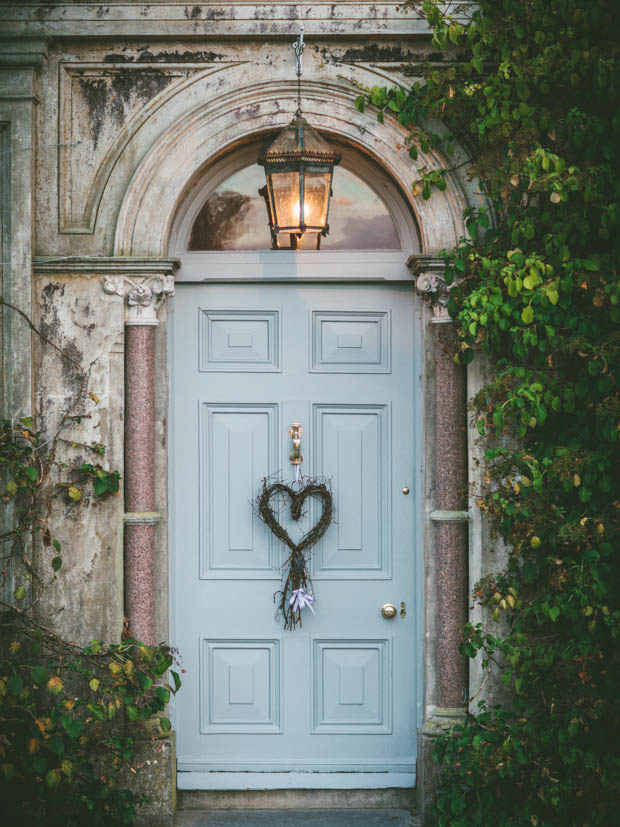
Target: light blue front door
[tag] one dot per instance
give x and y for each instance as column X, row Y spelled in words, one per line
column 332, row 703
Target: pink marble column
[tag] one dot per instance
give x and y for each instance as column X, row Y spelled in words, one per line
column 143, row 296
column 450, row 517
column 140, row 480
column 451, row 529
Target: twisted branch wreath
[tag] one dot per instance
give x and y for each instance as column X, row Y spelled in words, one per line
column 296, row 575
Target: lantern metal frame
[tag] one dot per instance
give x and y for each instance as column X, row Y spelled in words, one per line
column 307, row 153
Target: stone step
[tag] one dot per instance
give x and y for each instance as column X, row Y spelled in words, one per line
column 295, row 818
column 396, row 799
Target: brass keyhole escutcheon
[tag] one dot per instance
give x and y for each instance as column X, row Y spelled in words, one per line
column 403, row 610
column 388, row 610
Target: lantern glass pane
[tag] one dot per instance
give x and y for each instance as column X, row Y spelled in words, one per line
column 316, row 198
column 286, row 198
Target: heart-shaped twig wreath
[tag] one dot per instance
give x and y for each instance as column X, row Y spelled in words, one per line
column 296, row 591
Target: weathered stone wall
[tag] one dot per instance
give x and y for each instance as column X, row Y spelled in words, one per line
column 110, row 111
column 86, row 601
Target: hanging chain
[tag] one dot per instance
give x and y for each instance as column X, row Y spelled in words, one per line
column 299, row 46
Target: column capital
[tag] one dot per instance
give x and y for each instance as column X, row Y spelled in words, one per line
column 431, row 285
column 143, row 296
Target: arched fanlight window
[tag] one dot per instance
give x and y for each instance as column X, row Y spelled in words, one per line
column 233, row 216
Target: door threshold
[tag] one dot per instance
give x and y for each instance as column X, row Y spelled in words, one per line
column 294, row 780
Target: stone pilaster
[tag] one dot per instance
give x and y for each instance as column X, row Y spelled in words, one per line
column 448, row 585
column 143, row 296
column 144, row 286
column 21, row 59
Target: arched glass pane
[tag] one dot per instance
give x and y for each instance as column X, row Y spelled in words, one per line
column 234, row 216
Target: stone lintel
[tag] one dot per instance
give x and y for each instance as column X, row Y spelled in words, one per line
column 222, row 19
column 136, row 266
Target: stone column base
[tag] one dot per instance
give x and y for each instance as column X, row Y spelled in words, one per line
column 155, row 765
column 440, row 721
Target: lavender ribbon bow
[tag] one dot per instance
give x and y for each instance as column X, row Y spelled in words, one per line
column 300, row 599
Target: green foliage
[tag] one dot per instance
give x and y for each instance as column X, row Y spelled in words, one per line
column 67, row 714
column 64, row 748
column 534, row 91
column 104, row 482
column 26, row 473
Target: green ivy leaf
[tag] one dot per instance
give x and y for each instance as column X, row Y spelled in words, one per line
column 52, row 779
column 527, row 314
column 523, row 90
column 176, row 679
column 40, row 675
column 163, row 694
column 31, row 473
column 14, row 684
column 591, row 264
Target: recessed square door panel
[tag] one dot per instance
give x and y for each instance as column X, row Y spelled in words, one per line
column 239, row 340
column 355, row 341
column 351, row 686
column 240, row 685
column 352, row 448
column 238, row 446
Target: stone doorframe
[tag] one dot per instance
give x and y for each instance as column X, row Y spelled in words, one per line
column 142, row 276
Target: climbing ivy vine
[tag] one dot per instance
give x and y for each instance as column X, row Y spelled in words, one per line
column 533, row 90
column 68, row 713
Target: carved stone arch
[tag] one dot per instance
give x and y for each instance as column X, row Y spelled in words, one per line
column 170, row 166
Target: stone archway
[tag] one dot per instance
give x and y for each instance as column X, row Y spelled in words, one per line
column 166, row 174
column 219, row 123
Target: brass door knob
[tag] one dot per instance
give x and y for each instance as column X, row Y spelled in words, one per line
column 388, row 611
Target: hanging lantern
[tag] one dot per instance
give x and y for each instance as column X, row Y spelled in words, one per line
column 299, row 166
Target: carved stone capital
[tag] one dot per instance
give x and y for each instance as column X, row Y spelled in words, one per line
column 431, row 285
column 143, row 296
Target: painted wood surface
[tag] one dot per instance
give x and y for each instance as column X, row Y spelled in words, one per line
column 248, row 360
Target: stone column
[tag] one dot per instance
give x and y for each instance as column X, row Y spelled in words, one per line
column 143, row 297
column 451, row 515
column 447, row 581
